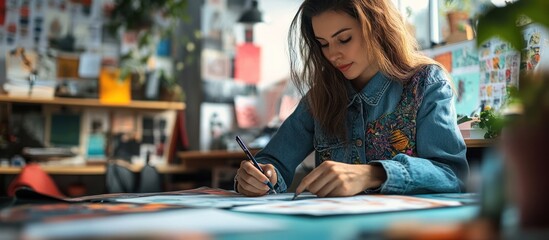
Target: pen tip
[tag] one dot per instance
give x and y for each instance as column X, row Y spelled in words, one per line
column 295, row 196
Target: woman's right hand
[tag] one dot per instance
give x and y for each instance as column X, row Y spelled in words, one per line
column 252, row 182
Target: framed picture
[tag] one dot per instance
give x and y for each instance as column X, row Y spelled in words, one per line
column 215, row 65
column 154, row 131
column 123, row 142
column 216, row 121
column 96, row 127
column 214, row 18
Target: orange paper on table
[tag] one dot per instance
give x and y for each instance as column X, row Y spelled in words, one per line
column 112, row 89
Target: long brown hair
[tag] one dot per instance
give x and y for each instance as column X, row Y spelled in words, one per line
column 386, row 38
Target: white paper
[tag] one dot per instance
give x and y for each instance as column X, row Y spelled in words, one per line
column 348, row 205
column 306, row 203
column 90, row 64
column 214, row 201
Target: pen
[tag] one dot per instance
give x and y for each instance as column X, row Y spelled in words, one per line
column 295, row 196
column 252, row 158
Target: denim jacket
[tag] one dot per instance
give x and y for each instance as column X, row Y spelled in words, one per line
column 439, row 164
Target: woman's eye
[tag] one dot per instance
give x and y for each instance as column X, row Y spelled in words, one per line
column 345, row 40
column 323, row 45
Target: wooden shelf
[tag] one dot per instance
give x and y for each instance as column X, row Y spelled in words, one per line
column 224, row 157
column 212, row 159
column 93, row 169
column 89, row 102
column 214, row 154
column 479, row 143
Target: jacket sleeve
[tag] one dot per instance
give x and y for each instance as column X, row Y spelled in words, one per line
column 290, row 145
column 441, row 164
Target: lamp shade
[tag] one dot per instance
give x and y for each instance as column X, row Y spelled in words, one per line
column 252, row 15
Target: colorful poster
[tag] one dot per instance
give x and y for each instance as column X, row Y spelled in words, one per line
column 499, row 68
column 537, row 41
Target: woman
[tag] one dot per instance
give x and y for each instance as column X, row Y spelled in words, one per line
column 378, row 114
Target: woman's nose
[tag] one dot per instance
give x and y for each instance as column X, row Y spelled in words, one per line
column 334, row 54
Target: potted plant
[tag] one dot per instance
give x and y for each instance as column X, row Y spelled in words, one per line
column 457, row 13
column 170, row 90
column 147, row 22
column 524, row 138
column 457, row 10
column 491, row 121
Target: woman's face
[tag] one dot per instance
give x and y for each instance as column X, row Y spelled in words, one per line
column 340, row 38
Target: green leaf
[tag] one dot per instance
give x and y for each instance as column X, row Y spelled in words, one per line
column 537, row 10
column 500, row 22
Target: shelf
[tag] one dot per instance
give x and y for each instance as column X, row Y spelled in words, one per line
column 191, row 159
column 479, row 143
column 93, row 169
column 214, row 154
column 89, row 102
column 224, row 157
column 213, row 158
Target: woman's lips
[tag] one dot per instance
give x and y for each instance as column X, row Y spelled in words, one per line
column 345, row 67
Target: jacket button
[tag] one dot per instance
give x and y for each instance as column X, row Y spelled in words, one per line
column 358, row 142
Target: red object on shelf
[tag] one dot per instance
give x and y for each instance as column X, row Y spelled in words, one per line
column 179, row 140
column 2, row 12
column 34, row 177
column 247, row 63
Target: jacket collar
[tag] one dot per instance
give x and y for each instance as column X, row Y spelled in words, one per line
column 372, row 92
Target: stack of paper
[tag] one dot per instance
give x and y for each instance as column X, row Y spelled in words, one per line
column 21, row 87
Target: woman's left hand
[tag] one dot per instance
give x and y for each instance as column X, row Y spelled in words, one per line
column 336, row 179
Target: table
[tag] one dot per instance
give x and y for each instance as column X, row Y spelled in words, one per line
column 358, row 226
column 365, row 226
